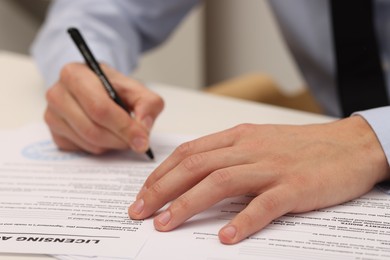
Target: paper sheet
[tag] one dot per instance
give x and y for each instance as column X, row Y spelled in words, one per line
column 359, row 229
column 74, row 206
column 55, row 202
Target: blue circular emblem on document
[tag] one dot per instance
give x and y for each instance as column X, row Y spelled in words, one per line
column 48, row 151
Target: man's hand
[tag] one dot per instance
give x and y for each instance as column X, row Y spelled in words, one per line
column 81, row 115
column 288, row 169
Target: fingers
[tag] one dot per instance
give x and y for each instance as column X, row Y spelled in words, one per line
column 80, row 100
column 86, row 89
column 223, row 183
column 259, row 213
column 272, row 202
column 75, row 125
column 207, row 143
column 66, row 138
column 65, row 144
column 187, row 174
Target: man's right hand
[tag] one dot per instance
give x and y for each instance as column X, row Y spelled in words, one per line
column 81, row 115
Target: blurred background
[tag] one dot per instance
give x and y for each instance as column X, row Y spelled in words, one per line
column 219, row 40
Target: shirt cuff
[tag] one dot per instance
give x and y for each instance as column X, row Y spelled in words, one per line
column 376, row 118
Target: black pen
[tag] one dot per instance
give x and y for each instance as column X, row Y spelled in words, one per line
column 94, row 66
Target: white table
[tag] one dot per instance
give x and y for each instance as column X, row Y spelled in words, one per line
column 186, row 111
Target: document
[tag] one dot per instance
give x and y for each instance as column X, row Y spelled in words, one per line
column 74, row 206
column 54, row 202
column 359, row 229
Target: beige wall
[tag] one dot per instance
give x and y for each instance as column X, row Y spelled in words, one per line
column 17, row 27
column 243, row 37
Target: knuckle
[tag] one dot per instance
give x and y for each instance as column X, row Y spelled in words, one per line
column 243, row 127
column 68, row 72
column 149, row 181
column 270, row 203
column 246, row 219
column 97, row 111
column 302, row 186
column 301, row 181
column 50, row 94
column 194, row 162
column 243, row 130
column 48, row 117
column 91, row 134
column 183, row 203
column 53, row 96
column 155, row 190
column 55, row 124
column 221, row 177
column 184, row 149
column 124, row 129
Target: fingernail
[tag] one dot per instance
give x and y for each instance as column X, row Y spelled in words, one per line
column 148, row 122
column 164, row 218
column 139, row 144
column 138, row 206
column 229, row 231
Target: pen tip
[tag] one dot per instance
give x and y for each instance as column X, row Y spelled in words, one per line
column 150, row 154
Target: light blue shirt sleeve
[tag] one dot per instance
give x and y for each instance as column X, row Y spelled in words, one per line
column 376, row 118
column 118, row 31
